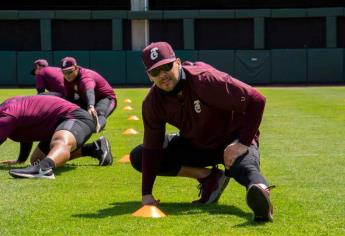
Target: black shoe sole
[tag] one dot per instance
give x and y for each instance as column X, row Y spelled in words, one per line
column 259, row 203
column 31, row 176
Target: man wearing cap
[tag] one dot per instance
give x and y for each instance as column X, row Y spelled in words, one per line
column 61, row 128
column 218, row 118
column 48, row 78
column 95, row 93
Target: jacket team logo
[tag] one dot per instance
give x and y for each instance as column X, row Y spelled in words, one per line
column 197, row 107
column 154, row 53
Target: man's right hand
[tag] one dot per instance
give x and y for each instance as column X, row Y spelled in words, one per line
column 148, row 199
column 92, row 111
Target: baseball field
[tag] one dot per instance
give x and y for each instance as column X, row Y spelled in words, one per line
column 302, row 153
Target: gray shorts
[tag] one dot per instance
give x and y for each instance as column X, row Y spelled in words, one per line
column 81, row 127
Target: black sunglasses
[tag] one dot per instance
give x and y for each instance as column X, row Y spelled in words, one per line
column 156, row 71
column 67, row 72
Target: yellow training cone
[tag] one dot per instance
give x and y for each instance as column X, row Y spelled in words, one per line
column 149, row 211
column 127, row 108
column 127, row 100
column 133, row 118
column 130, row 131
column 124, row 159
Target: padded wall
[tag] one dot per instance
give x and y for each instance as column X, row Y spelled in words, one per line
column 289, row 66
column 223, row 60
column 135, row 69
column 253, row 67
column 110, row 64
column 326, row 65
column 8, row 73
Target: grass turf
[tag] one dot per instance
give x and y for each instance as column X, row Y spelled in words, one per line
column 302, row 153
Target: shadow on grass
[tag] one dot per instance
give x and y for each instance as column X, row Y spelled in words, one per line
column 58, row 171
column 126, row 208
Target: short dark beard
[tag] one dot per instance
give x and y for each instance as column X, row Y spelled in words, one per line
column 178, row 87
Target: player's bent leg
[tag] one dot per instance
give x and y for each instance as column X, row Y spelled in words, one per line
column 104, row 107
column 69, row 135
column 62, row 144
column 135, row 156
column 246, row 171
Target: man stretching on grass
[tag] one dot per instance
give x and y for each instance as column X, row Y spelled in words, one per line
column 61, row 128
column 218, row 118
column 93, row 92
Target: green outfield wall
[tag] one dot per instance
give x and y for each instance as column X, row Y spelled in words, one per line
column 263, row 46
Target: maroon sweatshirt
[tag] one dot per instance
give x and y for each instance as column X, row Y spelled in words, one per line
column 51, row 79
column 32, row 118
column 214, row 109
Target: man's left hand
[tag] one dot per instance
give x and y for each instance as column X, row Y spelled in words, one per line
column 9, row 162
column 232, row 152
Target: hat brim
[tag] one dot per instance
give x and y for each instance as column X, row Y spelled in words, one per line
column 162, row 62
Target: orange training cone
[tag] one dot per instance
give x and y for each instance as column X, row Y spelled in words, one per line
column 133, row 118
column 149, row 211
column 124, row 159
column 127, row 108
column 130, row 132
column 127, row 100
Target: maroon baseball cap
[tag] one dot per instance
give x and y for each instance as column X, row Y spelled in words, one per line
column 67, row 63
column 157, row 54
column 39, row 63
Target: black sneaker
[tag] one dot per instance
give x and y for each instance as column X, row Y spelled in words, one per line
column 258, row 200
column 34, row 171
column 103, row 152
column 212, row 187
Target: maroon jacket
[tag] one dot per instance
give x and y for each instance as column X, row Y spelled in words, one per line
column 214, row 110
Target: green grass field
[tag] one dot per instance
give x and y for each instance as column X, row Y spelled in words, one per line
column 302, row 153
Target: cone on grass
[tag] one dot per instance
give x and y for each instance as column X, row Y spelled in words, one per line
column 149, row 211
column 124, row 159
column 127, row 108
column 130, row 132
column 127, row 100
column 133, row 118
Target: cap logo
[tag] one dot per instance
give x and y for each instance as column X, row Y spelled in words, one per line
column 64, row 63
column 154, row 53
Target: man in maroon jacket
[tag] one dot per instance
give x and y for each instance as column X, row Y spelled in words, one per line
column 48, row 78
column 93, row 91
column 61, row 127
column 218, row 119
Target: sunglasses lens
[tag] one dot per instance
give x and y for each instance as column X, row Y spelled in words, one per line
column 155, row 72
column 167, row 67
column 67, row 72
